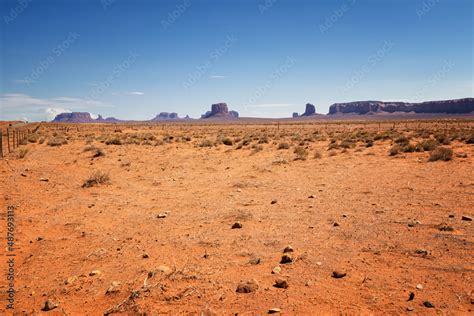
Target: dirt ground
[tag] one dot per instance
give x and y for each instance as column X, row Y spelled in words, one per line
column 161, row 226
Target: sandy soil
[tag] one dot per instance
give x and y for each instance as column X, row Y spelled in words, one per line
column 384, row 221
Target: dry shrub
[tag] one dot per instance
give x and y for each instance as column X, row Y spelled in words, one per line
column 113, row 141
column 22, row 153
column 301, row 153
column 57, row 141
column 97, row 178
column 317, row 154
column 206, row 143
column 429, row 144
column 227, row 141
column 395, row 150
column 283, row 146
column 441, row 153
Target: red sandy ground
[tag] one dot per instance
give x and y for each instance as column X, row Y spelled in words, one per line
column 205, row 190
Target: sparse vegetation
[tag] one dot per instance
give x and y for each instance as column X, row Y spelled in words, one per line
column 22, row 152
column 441, row 153
column 96, row 178
column 301, row 153
column 283, row 146
column 114, row 141
column 57, row 141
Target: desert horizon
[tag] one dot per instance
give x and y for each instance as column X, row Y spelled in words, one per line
column 240, row 157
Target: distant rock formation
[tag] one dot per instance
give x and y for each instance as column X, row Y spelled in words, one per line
column 166, row 116
column 459, row 106
column 310, row 110
column 82, row 117
column 295, row 114
column 220, row 110
column 74, row 117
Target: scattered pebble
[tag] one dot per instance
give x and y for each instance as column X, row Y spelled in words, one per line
column 276, row 270
column 411, row 296
column 466, row 218
column 281, row 284
column 445, row 228
column 319, row 263
column 237, row 225
column 39, row 238
column 338, row 274
column 254, row 261
column 162, row 215
column 274, row 310
column 286, row 259
column 419, row 287
column 44, row 179
column 344, row 215
column 451, row 215
column 113, row 288
column 95, row 272
column 421, row 252
column 239, row 190
column 274, row 201
column 410, row 309
column 70, row 280
column 428, row 304
column 336, row 224
column 247, row 286
column 288, row 249
column 145, row 256
column 49, row 305
column 312, row 196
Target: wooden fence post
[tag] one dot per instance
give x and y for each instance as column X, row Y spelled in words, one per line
column 1, row 143
column 8, row 139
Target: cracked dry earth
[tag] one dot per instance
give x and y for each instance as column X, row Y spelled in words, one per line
column 379, row 219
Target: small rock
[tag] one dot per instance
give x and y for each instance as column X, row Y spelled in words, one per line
column 428, row 304
column 319, row 263
column 411, row 296
column 237, row 225
column 281, row 284
column 162, row 215
column 70, row 280
column 254, row 261
column 274, row 201
column 23, row 174
column 445, row 228
column 39, row 238
column 451, row 215
column 466, row 218
column 276, row 270
column 247, row 287
column 461, row 155
column 419, row 287
column 344, row 215
column 422, row 252
column 145, row 256
column 338, row 274
column 410, row 309
column 95, row 272
column 274, row 310
column 336, row 224
column 308, row 283
column 49, row 305
column 288, row 249
column 239, row 190
column 44, row 179
column 113, row 288
column 312, row 196
column 286, row 259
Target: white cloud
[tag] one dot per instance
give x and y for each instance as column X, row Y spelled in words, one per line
column 15, row 106
column 217, row 77
column 136, row 93
column 23, row 81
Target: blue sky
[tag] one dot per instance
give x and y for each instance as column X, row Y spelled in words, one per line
column 134, row 59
